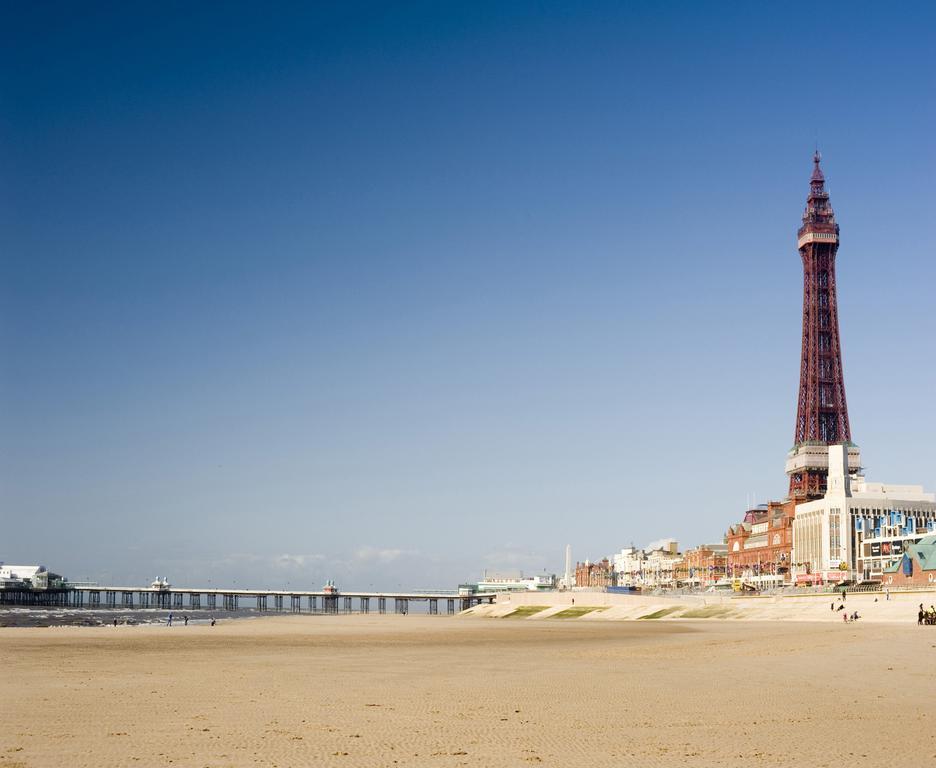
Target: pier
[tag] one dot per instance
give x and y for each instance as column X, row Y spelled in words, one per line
column 263, row 600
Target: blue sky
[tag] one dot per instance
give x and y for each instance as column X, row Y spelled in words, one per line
column 393, row 294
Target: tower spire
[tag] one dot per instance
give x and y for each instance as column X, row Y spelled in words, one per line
column 822, row 413
column 817, row 171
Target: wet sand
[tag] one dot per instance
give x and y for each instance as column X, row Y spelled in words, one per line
column 467, row 691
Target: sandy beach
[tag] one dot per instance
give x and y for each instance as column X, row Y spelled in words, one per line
column 468, row 691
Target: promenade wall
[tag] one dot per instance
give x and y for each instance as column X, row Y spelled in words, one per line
column 874, row 607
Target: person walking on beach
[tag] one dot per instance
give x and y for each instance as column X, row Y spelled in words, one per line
column 169, row 621
column 921, row 615
column 185, row 619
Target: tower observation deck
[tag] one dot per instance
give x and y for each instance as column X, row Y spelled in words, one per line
column 821, row 411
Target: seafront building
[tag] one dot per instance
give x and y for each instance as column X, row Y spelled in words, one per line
column 628, row 566
column 759, row 547
column 843, row 534
column 704, row 565
column 589, row 574
column 661, row 568
column 511, row 583
column 28, row 577
column 916, row 566
column 877, row 552
column 656, row 566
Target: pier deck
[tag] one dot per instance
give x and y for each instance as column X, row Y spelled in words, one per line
column 180, row 598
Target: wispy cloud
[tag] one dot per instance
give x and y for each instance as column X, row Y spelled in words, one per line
column 381, row 555
column 295, row 561
column 282, row 561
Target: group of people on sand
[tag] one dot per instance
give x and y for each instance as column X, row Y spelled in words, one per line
column 169, row 620
column 847, row 617
column 923, row 616
column 185, row 620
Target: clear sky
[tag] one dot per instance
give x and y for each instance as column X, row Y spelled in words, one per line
column 391, row 293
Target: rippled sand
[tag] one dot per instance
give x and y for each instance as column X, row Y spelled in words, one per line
column 451, row 691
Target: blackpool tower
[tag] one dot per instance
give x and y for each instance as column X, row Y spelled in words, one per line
column 821, row 411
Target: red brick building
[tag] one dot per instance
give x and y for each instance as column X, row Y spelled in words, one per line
column 759, row 547
column 599, row 574
column 705, row 564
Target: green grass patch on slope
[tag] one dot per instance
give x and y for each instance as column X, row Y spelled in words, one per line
column 707, row 612
column 575, row 612
column 661, row 613
column 524, row 611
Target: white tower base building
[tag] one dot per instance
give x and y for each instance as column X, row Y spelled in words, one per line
column 829, row 533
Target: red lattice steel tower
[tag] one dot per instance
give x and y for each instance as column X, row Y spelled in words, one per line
column 821, row 412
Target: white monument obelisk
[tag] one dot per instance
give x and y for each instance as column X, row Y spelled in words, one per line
column 567, row 579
